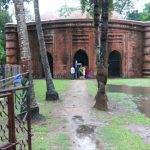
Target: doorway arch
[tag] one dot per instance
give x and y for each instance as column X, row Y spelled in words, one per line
column 80, row 58
column 114, row 61
column 50, row 61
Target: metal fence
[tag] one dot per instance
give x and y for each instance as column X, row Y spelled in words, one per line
column 15, row 124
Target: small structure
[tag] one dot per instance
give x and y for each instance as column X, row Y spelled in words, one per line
column 71, row 41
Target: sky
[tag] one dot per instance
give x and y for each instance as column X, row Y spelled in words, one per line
column 54, row 5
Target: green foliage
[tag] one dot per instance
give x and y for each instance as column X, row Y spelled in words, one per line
column 134, row 15
column 121, row 139
column 28, row 15
column 66, row 11
column 123, row 6
column 2, row 55
column 4, row 4
column 140, row 16
column 4, row 18
column 88, row 6
column 145, row 15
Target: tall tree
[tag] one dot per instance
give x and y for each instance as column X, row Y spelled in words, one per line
column 4, row 4
column 88, row 6
column 25, row 49
column 134, row 15
column 101, row 52
column 145, row 15
column 4, row 18
column 140, row 16
column 66, row 11
column 123, row 6
column 51, row 93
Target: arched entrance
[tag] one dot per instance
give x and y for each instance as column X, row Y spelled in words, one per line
column 50, row 61
column 80, row 58
column 114, row 61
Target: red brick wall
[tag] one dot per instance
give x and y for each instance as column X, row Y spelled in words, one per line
column 64, row 38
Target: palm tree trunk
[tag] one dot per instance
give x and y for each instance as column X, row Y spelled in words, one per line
column 51, row 93
column 102, row 67
column 25, row 50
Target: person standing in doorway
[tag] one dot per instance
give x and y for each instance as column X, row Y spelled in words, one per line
column 72, row 71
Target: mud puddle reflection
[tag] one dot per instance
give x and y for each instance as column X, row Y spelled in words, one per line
column 84, row 135
column 141, row 94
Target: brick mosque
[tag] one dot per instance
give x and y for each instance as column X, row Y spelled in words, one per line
column 70, row 42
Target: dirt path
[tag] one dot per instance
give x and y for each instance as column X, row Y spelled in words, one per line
column 82, row 126
column 76, row 106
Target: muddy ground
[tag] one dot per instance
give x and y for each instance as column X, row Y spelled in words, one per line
column 81, row 126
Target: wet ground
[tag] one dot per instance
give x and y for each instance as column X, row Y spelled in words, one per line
column 141, row 95
column 82, row 124
column 77, row 107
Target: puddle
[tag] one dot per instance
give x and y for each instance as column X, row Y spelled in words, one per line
column 145, row 91
column 84, row 135
column 85, row 129
column 140, row 93
column 78, row 119
column 86, row 143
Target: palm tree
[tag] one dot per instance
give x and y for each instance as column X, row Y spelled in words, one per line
column 25, row 49
column 97, row 6
column 51, row 93
column 101, row 53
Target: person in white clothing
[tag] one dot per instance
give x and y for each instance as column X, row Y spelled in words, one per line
column 72, row 71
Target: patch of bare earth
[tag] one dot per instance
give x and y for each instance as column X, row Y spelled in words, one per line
column 141, row 131
column 76, row 106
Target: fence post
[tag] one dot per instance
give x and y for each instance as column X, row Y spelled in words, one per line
column 11, row 120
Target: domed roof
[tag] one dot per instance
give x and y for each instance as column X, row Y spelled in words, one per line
column 116, row 15
column 75, row 15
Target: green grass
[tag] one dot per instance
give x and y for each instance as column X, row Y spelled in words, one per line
column 114, row 134
column 123, row 119
column 40, row 87
column 42, row 139
column 130, row 82
column 59, row 141
column 119, row 138
column 139, row 82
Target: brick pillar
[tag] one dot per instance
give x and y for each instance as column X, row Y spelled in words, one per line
column 11, row 44
column 146, row 63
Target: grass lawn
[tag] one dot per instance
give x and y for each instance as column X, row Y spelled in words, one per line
column 130, row 82
column 42, row 140
column 48, row 136
column 114, row 134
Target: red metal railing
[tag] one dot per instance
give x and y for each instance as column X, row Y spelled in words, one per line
column 15, row 124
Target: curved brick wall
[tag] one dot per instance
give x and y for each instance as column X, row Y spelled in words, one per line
column 146, row 66
column 64, row 38
column 11, row 44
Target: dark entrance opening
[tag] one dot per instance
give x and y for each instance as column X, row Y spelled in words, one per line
column 114, row 61
column 50, row 61
column 80, row 58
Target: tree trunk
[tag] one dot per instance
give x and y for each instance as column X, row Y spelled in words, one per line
column 25, row 50
column 51, row 93
column 102, row 67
